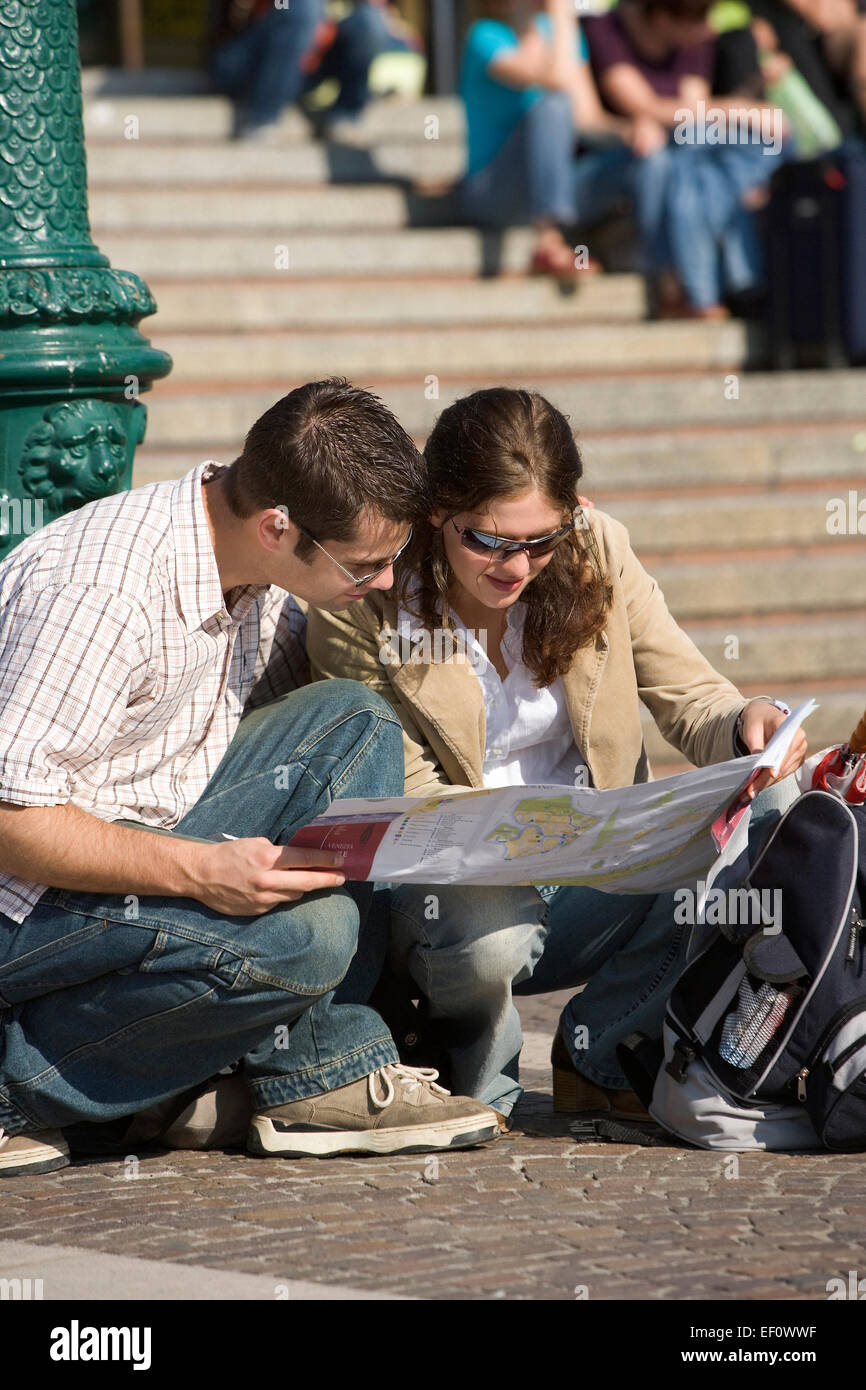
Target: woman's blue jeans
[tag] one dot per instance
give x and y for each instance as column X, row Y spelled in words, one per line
column 687, row 199
column 469, row 949
column 109, row 1004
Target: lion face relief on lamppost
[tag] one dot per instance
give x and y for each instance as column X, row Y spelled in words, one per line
column 78, row 452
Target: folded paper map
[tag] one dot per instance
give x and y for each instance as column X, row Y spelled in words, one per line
column 647, row 838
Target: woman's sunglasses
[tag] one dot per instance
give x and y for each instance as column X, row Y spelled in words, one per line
column 495, row 548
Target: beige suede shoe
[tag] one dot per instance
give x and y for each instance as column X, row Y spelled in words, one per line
column 394, row 1110
column 40, row 1152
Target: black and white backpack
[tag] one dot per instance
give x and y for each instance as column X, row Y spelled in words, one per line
column 765, row 1033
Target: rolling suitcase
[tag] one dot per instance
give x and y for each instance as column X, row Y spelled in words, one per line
column 816, row 244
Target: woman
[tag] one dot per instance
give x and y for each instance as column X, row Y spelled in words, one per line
column 565, row 633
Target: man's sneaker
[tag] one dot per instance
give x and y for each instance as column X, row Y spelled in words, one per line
column 215, row 1115
column 395, row 1110
column 41, row 1152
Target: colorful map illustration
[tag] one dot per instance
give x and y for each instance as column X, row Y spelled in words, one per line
column 541, row 824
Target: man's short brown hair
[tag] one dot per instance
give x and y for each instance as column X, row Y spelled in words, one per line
column 325, row 452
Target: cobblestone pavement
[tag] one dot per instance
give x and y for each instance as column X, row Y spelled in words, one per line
column 534, row 1216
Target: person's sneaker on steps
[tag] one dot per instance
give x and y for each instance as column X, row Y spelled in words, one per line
column 394, row 1110
column 40, row 1152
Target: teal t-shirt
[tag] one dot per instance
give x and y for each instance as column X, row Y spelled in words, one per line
column 492, row 109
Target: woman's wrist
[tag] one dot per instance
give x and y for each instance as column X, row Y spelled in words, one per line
column 741, row 749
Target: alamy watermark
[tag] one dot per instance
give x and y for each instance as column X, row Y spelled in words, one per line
column 733, row 906
column 846, row 516
column 77, row 1343
column 406, row 646
column 21, row 1290
column 741, row 125
column 854, row 1288
column 21, row 516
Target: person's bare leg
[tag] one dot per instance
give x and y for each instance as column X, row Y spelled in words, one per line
column 552, row 254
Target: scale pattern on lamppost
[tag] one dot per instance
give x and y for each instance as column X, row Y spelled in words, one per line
column 72, row 361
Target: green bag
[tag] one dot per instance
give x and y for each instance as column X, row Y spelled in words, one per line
column 815, row 130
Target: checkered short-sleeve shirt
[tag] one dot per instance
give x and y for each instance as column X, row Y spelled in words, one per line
column 123, row 673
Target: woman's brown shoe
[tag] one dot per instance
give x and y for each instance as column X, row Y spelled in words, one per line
column 573, row 1092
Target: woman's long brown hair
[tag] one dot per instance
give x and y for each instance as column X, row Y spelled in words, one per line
column 491, row 446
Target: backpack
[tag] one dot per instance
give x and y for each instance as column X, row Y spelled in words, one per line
column 765, row 1032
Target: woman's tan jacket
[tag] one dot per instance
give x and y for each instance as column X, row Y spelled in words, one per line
column 641, row 655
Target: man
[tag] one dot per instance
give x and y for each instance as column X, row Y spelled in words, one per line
column 267, row 56
column 134, row 633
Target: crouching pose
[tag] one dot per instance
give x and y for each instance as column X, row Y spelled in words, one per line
column 134, row 634
column 558, row 634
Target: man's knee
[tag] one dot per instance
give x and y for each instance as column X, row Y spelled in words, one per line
column 306, row 951
column 350, row 697
column 364, row 32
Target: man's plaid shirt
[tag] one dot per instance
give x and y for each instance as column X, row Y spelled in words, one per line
column 123, row 674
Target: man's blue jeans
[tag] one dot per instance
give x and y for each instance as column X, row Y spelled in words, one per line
column 360, row 38
column 688, row 201
column 487, row 943
column 260, row 68
column 108, row 1005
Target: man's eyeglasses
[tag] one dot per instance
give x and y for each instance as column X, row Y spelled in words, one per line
column 495, row 548
column 358, row 583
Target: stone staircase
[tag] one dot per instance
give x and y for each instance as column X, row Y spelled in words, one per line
column 274, row 266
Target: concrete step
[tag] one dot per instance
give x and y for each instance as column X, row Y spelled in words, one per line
column 168, row 82
column 493, row 349
column 770, row 653
column 764, row 520
column 229, row 305
column 834, row 578
column 621, row 468
column 207, row 118
column 767, row 456
column 217, row 419
column 390, row 159
column 835, row 718
column 287, row 253
column 218, row 208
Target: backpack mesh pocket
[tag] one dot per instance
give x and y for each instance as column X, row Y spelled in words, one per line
column 751, row 1027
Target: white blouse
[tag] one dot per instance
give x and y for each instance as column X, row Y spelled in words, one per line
column 529, row 734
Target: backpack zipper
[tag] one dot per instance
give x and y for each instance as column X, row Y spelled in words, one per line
column 859, row 1006
column 846, row 1054
column 857, row 925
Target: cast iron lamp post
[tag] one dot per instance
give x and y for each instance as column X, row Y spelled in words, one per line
column 72, row 361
